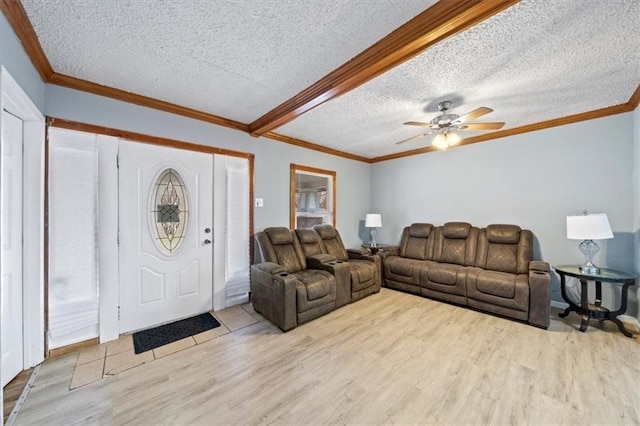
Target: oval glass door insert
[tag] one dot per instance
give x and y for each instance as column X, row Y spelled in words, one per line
column 169, row 211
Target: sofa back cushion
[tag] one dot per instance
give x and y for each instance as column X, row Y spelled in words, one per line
column 505, row 248
column 417, row 241
column 309, row 242
column 280, row 245
column 456, row 243
column 331, row 241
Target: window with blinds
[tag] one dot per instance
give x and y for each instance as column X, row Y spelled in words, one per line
column 237, row 229
column 73, row 219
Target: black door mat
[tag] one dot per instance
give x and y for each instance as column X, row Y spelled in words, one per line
column 152, row 338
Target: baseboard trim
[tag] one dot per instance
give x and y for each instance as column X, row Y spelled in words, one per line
column 73, row 347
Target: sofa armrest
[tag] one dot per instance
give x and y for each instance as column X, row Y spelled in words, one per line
column 317, row 260
column 539, row 294
column 273, row 294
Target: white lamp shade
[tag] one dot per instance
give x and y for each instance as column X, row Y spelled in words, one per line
column 589, row 227
column 373, row 220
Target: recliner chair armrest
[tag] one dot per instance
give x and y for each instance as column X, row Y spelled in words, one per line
column 315, row 261
column 539, row 294
column 269, row 267
column 273, row 294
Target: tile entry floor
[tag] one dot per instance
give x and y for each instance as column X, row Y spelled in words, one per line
column 107, row 359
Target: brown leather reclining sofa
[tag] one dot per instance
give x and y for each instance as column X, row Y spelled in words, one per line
column 490, row 269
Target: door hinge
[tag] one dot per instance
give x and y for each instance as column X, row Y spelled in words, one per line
column 118, row 237
column 118, row 313
column 118, row 160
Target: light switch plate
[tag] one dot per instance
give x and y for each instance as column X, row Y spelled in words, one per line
column 259, row 202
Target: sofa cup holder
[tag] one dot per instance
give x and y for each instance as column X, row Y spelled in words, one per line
column 283, row 274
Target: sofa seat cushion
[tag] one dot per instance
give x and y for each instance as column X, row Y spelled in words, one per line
column 443, row 277
column 317, row 283
column 403, row 270
column 363, row 274
column 499, row 288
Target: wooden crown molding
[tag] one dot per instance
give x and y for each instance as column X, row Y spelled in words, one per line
column 440, row 21
column 590, row 115
column 145, row 101
column 19, row 20
column 315, row 147
column 634, row 101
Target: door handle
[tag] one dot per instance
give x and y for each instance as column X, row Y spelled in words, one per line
column 207, row 241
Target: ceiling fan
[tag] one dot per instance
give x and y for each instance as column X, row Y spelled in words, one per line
column 445, row 123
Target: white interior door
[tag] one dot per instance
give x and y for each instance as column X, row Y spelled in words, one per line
column 165, row 222
column 11, row 297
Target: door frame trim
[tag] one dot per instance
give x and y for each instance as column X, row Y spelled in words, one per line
column 108, row 245
column 18, row 103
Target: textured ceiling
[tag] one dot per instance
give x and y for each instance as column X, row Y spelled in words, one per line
column 535, row 61
column 237, row 59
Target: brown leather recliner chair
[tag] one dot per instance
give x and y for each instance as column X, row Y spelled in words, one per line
column 283, row 288
column 365, row 268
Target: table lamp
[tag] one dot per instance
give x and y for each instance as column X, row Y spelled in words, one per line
column 589, row 227
column 373, row 221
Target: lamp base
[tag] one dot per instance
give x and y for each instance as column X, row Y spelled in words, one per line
column 373, row 243
column 589, row 269
column 589, row 248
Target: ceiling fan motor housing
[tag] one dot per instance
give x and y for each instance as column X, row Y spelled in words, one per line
column 444, row 120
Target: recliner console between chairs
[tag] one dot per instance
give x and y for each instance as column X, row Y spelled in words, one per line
column 490, row 269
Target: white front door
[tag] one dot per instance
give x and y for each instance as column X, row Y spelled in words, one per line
column 11, row 297
column 165, row 222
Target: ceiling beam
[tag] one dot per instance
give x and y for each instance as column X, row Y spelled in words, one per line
column 440, row 21
column 19, row 20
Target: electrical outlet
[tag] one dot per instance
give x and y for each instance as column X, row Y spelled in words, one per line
column 259, row 202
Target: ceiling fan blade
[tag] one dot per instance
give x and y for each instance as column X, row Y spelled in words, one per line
column 417, row 123
column 481, row 126
column 478, row 112
column 414, row 137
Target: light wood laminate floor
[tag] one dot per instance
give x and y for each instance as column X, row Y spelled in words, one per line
column 390, row 358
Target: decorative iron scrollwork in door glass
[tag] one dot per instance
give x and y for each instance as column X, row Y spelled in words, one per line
column 169, row 211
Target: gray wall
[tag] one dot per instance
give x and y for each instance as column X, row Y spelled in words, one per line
column 272, row 159
column 533, row 180
column 16, row 61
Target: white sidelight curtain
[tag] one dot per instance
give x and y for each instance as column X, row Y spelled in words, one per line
column 237, row 230
column 73, row 220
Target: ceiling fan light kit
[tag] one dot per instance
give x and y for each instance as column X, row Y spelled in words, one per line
column 445, row 123
column 445, row 140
